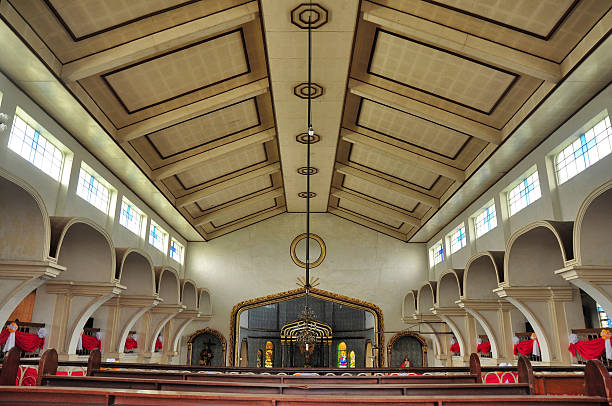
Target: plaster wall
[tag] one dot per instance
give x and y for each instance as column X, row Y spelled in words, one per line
column 558, row 202
column 60, row 196
column 255, row 261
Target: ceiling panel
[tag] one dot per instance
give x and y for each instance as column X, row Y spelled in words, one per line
column 412, row 96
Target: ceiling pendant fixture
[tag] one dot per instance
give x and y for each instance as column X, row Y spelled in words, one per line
column 307, row 335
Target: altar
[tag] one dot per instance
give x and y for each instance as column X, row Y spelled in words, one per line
column 266, row 332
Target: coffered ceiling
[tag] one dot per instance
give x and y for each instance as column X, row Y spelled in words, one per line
column 208, row 97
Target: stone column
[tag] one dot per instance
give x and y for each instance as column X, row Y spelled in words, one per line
column 545, row 309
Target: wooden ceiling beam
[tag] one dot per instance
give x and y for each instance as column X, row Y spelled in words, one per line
column 367, row 223
column 396, row 187
column 376, row 205
column 255, row 219
column 423, row 162
column 202, row 193
column 159, row 42
column 462, row 43
column 195, row 160
column 207, row 218
column 189, row 111
column 426, row 111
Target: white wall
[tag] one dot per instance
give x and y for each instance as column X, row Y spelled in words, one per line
column 558, row 202
column 60, row 197
column 255, row 261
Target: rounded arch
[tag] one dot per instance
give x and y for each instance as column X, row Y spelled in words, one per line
column 401, row 335
column 135, row 271
column 409, row 305
column 189, row 294
column 535, row 251
column 84, row 248
column 426, row 297
column 592, row 243
column 449, row 288
column 168, row 286
column 23, row 218
column 205, row 302
column 484, row 272
column 202, row 333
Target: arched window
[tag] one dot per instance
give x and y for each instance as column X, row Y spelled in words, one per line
column 342, row 356
column 352, row 359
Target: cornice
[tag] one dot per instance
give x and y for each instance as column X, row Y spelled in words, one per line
column 132, row 301
column 449, row 311
column 164, row 308
column 482, row 304
column 537, row 293
column 30, row 269
column 590, row 273
column 74, row 288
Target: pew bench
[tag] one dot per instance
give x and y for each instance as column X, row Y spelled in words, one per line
column 302, row 379
column 314, row 388
column 109, row 397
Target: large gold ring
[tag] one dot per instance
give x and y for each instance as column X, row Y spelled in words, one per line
column 294, row 256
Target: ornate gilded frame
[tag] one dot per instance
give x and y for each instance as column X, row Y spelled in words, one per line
column 211, row 332
column 379, row 325
column 407, row 334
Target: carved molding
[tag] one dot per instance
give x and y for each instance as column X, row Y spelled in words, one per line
column 322, row 294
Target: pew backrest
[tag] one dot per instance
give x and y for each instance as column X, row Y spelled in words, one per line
column 10, row 367
column 47, row 365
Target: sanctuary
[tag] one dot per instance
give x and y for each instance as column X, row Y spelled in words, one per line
column 262, row 201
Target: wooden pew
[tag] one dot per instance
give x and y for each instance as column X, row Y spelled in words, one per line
column 474, row 376
column 10, row 367
column 314, row 388
column 108, row 397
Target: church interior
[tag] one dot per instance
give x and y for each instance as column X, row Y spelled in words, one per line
column 369, row 201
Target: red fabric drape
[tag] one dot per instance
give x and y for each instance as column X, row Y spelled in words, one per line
column 90, row 342
column 484, row 347
column 524, row 347
column 455, row 348
column 130, row 344
column 4, row 335
column 591, row 349
column 27, row 342
column 158, row 344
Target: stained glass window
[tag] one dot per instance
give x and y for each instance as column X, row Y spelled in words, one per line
column 457, row 239
column 177, row 251
column 131, row 217
column 30, row 144
column 342, row 355
column 158, row 237
column 436, row 254
column 92, row 189
column 524, row 193
column 583, row 152
column 604, row 320
column 486, row 220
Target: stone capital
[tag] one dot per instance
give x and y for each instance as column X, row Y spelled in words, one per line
column 132, row 301
column 74, row 288
column 485, row 304
column 589, row 273
column 30, row 269
column 449, row 311
column 537, row 293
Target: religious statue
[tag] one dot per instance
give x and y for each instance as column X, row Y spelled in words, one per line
column 406, row 363
column 259, row 358
column 206, row 355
